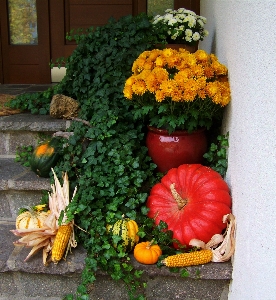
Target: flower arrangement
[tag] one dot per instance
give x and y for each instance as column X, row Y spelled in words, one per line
column 176, row 89
column 180, row 26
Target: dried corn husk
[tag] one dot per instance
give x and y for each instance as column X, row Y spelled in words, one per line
column 43, row 238
column 222, row 246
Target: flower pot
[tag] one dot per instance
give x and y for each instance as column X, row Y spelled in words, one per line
column 190, row 48
column 172, row 150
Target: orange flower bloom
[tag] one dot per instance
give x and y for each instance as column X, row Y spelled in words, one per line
column 139, row 87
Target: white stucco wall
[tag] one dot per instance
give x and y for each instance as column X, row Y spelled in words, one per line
column 243, row 36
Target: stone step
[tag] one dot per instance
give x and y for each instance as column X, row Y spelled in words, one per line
column 26, row 129
column 19, row 187
column 32, row 280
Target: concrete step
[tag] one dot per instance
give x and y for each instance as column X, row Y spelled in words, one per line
column 19, row 187
column 32, row 280
column 26, row 129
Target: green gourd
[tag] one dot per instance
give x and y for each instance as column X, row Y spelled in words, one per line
column 127, row 229
column 45, row 157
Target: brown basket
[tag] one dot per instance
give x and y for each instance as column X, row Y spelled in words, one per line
column 4, row 110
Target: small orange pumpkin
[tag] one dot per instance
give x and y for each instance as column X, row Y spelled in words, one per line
column 147, row 253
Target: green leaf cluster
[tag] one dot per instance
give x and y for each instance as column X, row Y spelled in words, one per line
column 216, row 157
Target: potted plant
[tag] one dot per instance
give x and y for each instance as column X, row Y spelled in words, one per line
column 181, row 26
column 175, row 90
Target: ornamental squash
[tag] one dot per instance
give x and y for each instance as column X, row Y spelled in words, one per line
column 44, row 157
column 147, row 253
column 192, row 199
column 127, row 229
column 31, row 219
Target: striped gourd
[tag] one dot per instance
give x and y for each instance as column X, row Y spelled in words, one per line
column 127, row 229
column 61, row 241
column 189, row 259
column 31, row 219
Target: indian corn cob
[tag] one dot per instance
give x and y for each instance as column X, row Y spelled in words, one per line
column 188, row 259
column 61, row 242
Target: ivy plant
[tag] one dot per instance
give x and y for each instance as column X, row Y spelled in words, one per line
column 106, row 157
column 216, row 157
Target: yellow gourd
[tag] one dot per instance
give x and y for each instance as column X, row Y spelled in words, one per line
column 127, row 229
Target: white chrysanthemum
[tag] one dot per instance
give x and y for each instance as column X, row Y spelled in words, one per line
column 172, row 21
column 200, row 22
column 188, row 33
column 169, row 10
column 173, row 37
column 181, row 16
column 204, row 20
column 168, row 17
column 188, row 38
column 205, row 33
column 178, row 19
column 180, row 10
column 187, row 11
column 196, row 36
column 157, row 19
column 192, row 22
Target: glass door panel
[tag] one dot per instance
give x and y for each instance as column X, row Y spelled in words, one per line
column 158, row 7
column 22, row 22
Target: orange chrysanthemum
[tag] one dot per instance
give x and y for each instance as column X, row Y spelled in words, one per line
column 208, row 72
column 197, row 71
column 139, row 87
column 183, row 76
column 201, row 56
column 168, row 87
column 152, row 83
column 219, row 68
column 128, row 92
column 160, row 61
column 160, row 74
column 179, row 76
column 160, row 95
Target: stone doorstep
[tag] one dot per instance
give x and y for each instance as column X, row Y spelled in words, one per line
column 12, row 259
column 30, row 122
column 19, row 187
column 14, row 176
column 21, row 280
column 27, row 129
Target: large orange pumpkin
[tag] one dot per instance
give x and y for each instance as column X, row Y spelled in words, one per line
column 192, row 199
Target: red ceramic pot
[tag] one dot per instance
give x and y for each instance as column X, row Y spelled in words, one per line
column 172, row 150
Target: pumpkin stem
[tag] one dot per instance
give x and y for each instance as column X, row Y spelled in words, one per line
column 180, row 201
column 149, row 244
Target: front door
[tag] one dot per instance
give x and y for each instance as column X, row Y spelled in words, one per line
column 25, row 42
column 33, row 33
